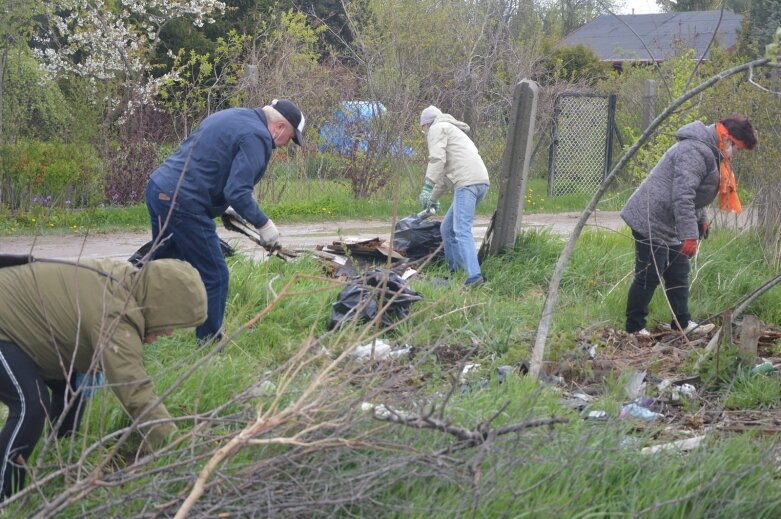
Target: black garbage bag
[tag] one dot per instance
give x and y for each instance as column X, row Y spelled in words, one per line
column 364, row 297
column 417, row 237
column 138, row 256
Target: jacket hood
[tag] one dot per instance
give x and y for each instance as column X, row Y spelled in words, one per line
column 447, row 118
column 171, row 295
column 699, row 132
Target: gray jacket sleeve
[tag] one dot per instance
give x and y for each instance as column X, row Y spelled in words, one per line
column 689, row 169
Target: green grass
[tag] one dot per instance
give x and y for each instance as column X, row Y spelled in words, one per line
column 578, row 469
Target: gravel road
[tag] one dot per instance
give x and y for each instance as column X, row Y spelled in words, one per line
column 297, row 236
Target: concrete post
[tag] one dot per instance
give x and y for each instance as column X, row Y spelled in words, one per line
column 649, row 103
column 515, row 166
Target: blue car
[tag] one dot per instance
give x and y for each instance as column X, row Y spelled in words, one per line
column 356, row 124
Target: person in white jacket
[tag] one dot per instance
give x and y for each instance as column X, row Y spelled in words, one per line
column 453, row 160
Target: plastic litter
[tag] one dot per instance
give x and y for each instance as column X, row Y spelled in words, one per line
column 465, row 371
column 266, row 388
column 635, row 387
column 687, row 390
column 762, row 369
column 417, row 237
column 383, row 411
column 364, row 297
column 680, row 445
column 636, row 411
column 382, row 350
column 596, row 414
column 668, row 389
column 503, row 373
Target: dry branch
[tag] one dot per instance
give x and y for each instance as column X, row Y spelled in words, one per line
column 551, row 297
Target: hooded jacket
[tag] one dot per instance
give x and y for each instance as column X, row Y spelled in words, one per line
column 65, row 316
column 672, row 199
column 453, row 159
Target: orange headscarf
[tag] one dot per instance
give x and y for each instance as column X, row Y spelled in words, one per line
column 728, row 187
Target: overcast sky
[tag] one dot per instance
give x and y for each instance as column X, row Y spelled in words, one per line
column 640, row 7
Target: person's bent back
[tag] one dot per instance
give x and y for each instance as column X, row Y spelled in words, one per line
column 58, row 319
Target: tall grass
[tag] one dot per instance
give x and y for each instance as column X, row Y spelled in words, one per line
column 577, row 469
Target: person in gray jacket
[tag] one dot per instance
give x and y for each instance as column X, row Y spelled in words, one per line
column 667, row 214
column 454, row 161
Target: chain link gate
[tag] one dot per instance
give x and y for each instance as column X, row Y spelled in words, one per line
column 581, row 148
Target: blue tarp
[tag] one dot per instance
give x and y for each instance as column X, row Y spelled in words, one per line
column 353, row 126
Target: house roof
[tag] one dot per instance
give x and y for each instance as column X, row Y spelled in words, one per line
column 613, row 39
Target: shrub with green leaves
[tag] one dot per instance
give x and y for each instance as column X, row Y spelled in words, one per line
column 57, row 173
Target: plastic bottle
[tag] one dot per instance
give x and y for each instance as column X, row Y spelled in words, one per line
column 636, row 411
column 763, row 369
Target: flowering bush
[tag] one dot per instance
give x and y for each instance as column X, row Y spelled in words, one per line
column 42, row 174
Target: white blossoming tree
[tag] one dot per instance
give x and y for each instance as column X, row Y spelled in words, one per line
column 114, row 41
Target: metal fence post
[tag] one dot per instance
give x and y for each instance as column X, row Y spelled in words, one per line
column 515, row 166
column 649, row 103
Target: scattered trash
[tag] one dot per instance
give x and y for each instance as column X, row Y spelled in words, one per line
column 635, row 387
column 672, row 391
column 416, row 237
column 503, row 373
column 579, row 401
column 383, row 411
column 408, row 274
column 687, row 390
column 681, row 445
column 266, row 388
column 374, row 247
column 467, row 368
column 636, row 411
column 762, row 369
column 380, row 350
column 596, row 414
column 362, row 299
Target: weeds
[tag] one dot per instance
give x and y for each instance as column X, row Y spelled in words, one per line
column 279, row 409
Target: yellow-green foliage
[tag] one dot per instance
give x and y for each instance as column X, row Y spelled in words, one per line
column 677, row 72
column 201, row 82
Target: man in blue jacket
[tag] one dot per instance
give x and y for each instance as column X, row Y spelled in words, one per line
column 217, row 166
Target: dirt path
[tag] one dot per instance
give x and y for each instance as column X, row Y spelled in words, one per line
column 122, row 245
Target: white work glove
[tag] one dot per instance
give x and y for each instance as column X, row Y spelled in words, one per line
column 269, row 234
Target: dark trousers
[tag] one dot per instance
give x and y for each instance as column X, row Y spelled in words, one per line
column 653, row 258
column 26, row 394
column 192, row 238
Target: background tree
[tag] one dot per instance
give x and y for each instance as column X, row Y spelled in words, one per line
column 16, row 28
column 672, row 6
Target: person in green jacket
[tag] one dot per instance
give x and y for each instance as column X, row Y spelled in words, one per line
column 58, row 319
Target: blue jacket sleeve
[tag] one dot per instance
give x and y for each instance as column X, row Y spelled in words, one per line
column 248, row 165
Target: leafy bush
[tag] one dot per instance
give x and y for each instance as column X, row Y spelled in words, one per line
column 33, row 106
column 48, row 173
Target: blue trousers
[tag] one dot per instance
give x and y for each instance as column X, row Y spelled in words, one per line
column 456, row 229
column 192, row 237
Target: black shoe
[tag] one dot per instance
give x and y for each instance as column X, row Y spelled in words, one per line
column 471, row 283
